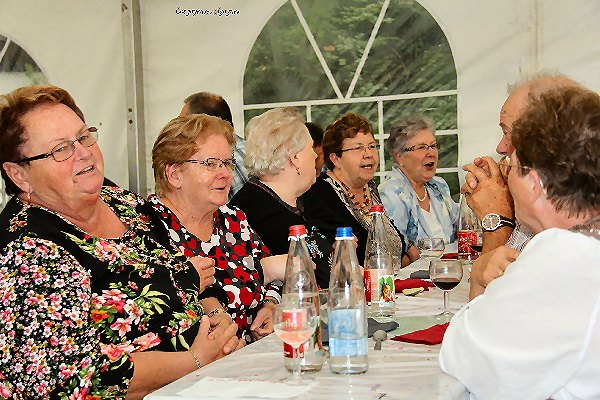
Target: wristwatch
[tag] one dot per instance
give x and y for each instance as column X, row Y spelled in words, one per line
column 493, row 221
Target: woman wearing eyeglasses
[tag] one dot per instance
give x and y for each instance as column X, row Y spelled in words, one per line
column 417, row 201
column 92, row 303
column 192, row 161
column 343, row 197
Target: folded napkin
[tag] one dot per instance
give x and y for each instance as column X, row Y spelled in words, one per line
column 450, row 256
column 401, row 284
column 432, row 335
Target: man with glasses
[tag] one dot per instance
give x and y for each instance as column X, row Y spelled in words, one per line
column 487, row 192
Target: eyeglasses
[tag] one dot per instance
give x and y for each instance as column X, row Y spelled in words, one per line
column 505, row 166
column 423, row 147
column 65, row 150
column 215, row 164
column 362, row 149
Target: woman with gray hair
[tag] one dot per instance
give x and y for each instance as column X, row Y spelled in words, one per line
column 417, row 201
column 281, row 164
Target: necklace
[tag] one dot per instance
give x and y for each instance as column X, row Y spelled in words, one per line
column 364, row 207
column 424, row 196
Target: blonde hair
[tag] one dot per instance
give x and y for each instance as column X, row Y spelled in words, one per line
column 176, row 143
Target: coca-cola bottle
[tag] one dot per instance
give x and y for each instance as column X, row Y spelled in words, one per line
column 379, row 270
column 469, row 234
column 300, row 285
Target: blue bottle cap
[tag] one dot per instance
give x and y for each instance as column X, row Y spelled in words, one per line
column 343, row 233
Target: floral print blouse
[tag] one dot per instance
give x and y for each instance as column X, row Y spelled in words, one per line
column 237, row 251
column 73, row 306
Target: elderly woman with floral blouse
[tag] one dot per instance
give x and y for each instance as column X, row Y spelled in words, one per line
column 93, row 304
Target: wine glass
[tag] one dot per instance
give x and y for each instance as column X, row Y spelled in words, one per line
column 430, row 249
column 295, row 323
column 446, row 275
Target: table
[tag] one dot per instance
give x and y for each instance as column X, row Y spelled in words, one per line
column 399, row 371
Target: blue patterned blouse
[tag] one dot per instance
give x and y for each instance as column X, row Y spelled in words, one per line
column 401, row 204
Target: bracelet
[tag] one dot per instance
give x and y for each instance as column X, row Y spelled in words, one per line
column 195, row 358
column 270, row 300
column 217, row 311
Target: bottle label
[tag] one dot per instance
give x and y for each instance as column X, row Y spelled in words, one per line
column 347, row 335
column 292, row 320
column 368, row 292
column 386, row 292
column 464, row 239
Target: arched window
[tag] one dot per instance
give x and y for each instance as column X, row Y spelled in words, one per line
column 17, row 69
column 383, row 59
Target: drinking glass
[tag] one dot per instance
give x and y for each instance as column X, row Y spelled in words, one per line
column 430, row 249
column 295, row 323
column 446, row 275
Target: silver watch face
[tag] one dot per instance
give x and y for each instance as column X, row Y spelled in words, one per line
column 491, row 222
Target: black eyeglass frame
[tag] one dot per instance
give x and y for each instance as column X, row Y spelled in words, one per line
column 70, row 144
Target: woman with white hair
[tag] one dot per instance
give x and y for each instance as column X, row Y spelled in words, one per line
column 281, row 162
column 417, row 201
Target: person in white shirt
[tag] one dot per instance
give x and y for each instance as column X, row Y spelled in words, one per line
column 535, row 333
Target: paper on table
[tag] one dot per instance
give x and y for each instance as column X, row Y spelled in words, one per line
column 231, row 388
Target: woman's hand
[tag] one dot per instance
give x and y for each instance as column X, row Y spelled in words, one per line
column 208, row 350
column 263, row 323
column 490, row 266
column 206, row 270
column 219, row 319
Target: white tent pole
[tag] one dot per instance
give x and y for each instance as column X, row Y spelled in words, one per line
column 134, row 91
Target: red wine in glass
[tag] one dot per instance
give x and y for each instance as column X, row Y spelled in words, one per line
column 446, row 283
column 476, row 247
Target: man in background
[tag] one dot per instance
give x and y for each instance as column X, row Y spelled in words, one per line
column 215, row 105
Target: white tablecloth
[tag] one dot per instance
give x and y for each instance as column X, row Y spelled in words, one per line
column 399, row 371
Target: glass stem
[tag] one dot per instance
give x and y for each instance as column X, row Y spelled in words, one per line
column 446, row 301
column 296, row 354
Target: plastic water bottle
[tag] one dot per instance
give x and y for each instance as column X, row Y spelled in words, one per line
column 468, row 233
column 300, row 285
column 379, row 270
column 347, row 310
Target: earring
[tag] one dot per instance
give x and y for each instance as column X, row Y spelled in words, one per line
column 28, row 198
column 298, row 170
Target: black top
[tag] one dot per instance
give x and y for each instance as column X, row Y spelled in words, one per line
column 271, row 218
column 328, row 209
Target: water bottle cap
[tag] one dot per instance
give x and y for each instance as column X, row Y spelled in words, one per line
column 376, row 208
column 343, row 233
column 297, row 230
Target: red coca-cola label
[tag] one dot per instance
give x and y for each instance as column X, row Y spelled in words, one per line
column 368, row 292
column 464, row 239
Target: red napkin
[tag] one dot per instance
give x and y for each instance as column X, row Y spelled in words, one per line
column 401, row 284
column 450, row 256
column 432, row 335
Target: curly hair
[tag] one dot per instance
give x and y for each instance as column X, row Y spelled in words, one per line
column 346, row 126
column 404, row 129
column 272, row 138
column 558, row 135
column 13, row 107
column 176, row 143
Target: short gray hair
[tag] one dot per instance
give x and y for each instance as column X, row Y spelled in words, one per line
column 272, row 138
column 405, row 129
column 542, row 81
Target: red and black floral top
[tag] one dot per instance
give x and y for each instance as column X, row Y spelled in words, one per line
column 73, row 306
column 237, row 251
